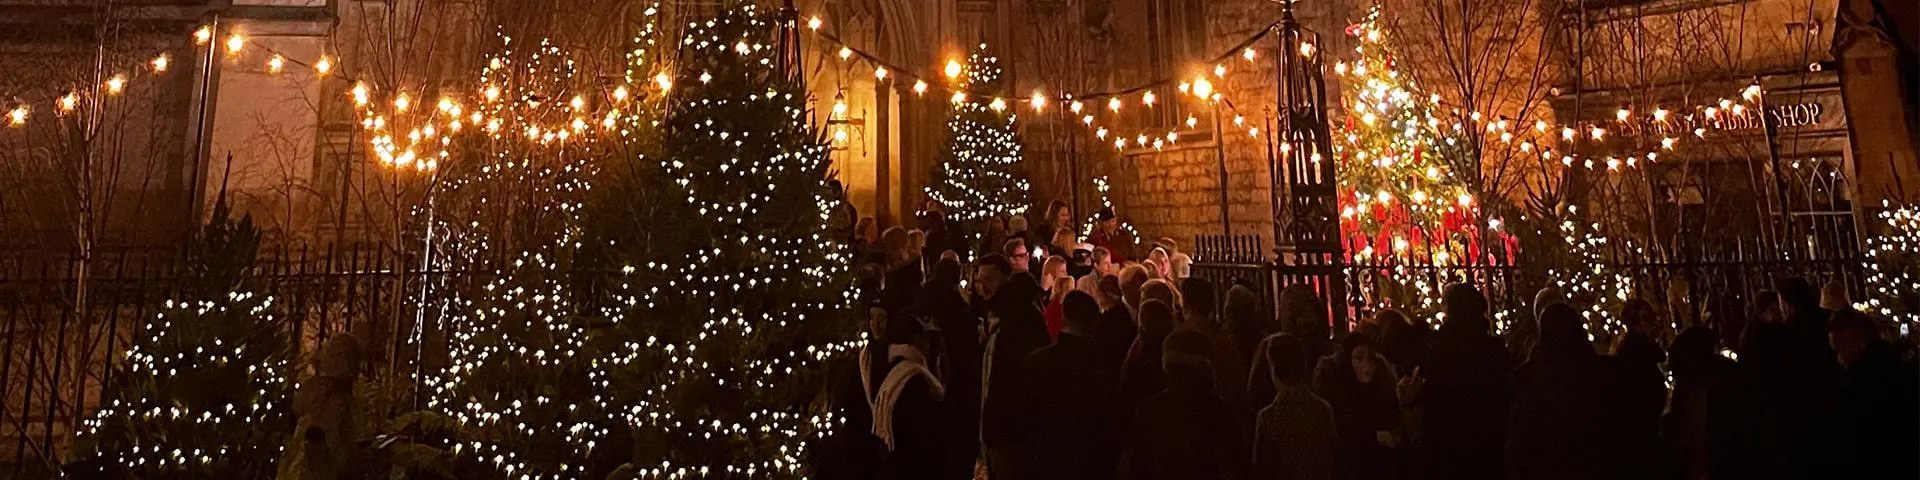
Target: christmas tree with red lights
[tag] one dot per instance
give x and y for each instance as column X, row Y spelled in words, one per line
column 1401, row 201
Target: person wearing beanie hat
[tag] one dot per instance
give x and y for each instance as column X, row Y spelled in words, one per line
column 1105, row 226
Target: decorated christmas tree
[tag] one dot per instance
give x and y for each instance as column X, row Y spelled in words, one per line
column 1400, row 199
column 203, row 391
column 980, row 174
column 524, row 381
column 728, row 340
column 1893, row 281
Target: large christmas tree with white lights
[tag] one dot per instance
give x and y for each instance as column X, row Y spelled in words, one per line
column 1400, row 198
column 524, row 380
column 981, row 174
column 729, row 340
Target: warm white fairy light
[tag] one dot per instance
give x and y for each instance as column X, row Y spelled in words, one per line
column 116, row 84
column 160, row 63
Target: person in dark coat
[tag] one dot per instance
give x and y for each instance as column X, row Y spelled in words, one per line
column 907, row 414
column 1559, row 404
column 1303, row 314
column 1183, row 432
column 1358, row 383
column 1872, row 431
column 854, row 453
column 1067, row 388
column 1463, row 389
column 1717, row 426
column 1400, row 339
column 903, row 278
column 1798, row 371
column 1014, row 330
column 1117, row 331
column 960, row 367
column 1141, row 373
column 1639, row 393
column 1294, row 436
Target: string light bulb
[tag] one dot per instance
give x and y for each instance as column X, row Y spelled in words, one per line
column 402, row 102
column 234, row 43
column 69, row 102
column 323, row 66
column 620, row 93
column 1113, row 104
column 360, row 93
column 846, row 53
column 160, row 63
column 1148, row 98
column 1202, row 88
column 919, row 87
column 665, row 82
column 1248, row 53
column 116, row 84
column 954, row 69
column 997, row 104
column 18, row 116
column 1075, row 107
column 1038, row 101
column 814, row 23
column 203, row 35
column 275, row 63
column 880, row 73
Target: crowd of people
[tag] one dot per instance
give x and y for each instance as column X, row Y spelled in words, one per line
column 1048, row 356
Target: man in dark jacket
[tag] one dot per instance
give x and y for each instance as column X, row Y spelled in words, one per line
column 1717, row 427
column 1558, row 404
column 1798, row 371
column 1639, row 393
column 1465, row 391
column 1067, row 387
column 1871, row 429
column 1183, row 432
column 1014, row 330
column 959, row 367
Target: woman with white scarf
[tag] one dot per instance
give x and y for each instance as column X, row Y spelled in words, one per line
column 906, row 404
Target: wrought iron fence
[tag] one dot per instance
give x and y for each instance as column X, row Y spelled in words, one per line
column 64, row 321
column 1717, row 283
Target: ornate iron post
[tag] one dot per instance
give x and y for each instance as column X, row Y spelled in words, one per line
column 1305, row 195
column 787, row 56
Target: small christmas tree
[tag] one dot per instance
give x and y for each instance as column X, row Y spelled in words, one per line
column 981, row 174
column 203, row 391
column 1584, row 275
column 1400, row 198
column 1893, row 281
column 727, row 342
